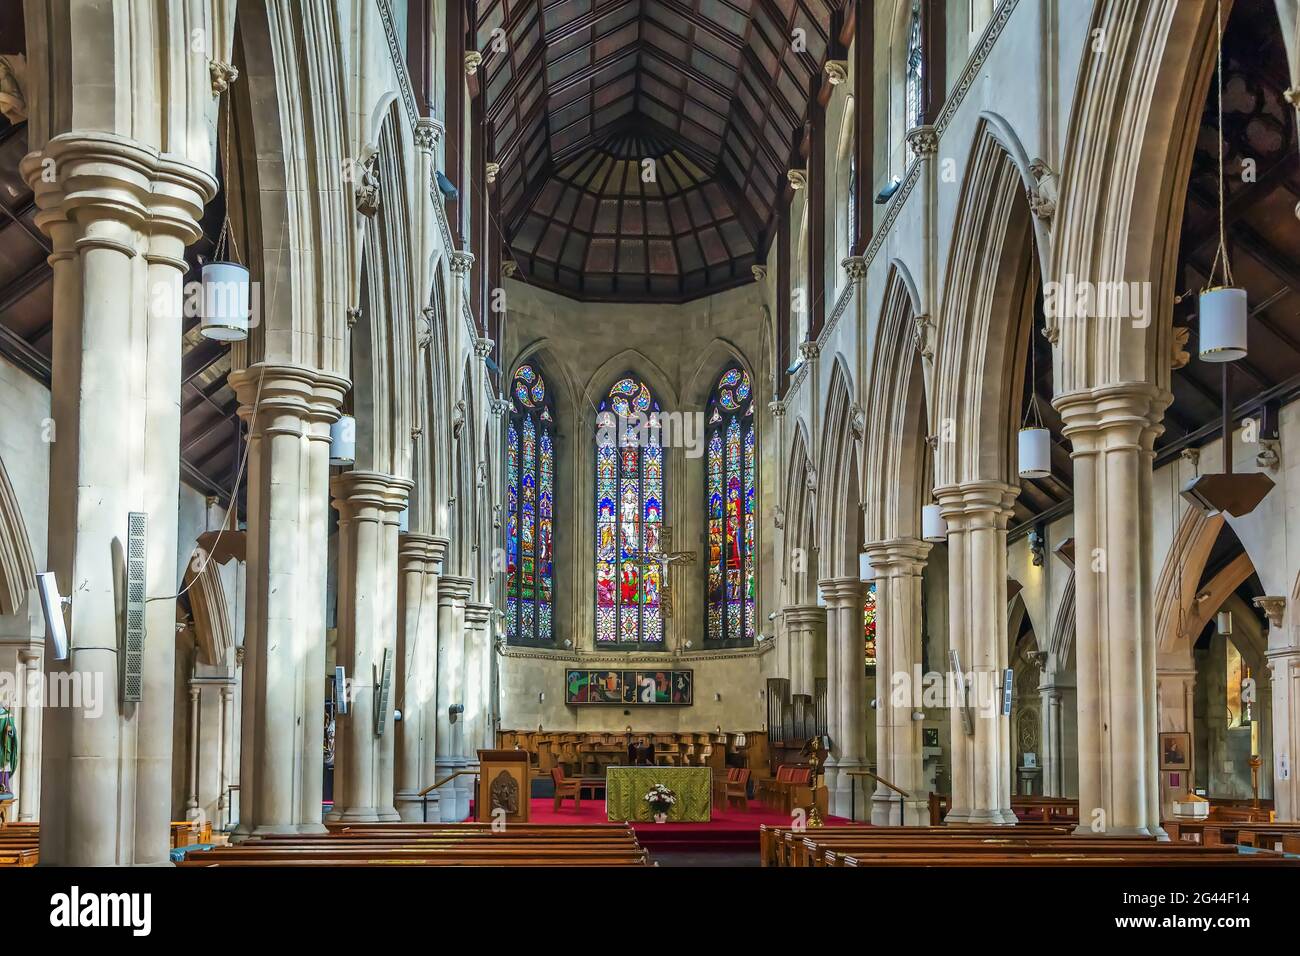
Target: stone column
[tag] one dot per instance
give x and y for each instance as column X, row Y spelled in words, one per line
column 1055, row 697
column 119, row 216
column 369, row 505
column 29, row 736
column 805, row 630
column 849, row 703
column 479, row 730
column 288, row 408
column 1283, row 657
column 453, row 591
column 898, row 564
column 192, row 802
column 977, row 513
column 224, row 755
column 419, row 558
column 1112, row 431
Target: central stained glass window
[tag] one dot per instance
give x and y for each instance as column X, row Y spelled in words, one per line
column 530, row 496
column 629, row 518
column 730, row 480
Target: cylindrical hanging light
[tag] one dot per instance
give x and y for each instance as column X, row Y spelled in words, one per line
column 933, row 527
column 343, row 441
column 1223, row 324
column 1035, row 452
column 865, row 571
column 225, row 302
column 1223, row 622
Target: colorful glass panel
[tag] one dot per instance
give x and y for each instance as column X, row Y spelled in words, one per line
column 730, row 501
column 530, row 511
column 629, row 518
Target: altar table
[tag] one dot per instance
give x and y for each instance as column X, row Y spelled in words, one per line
column 626, row 787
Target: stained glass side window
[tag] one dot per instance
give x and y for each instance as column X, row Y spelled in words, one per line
column 530, row 510
column 869, row 625
column 730, row 502
column 913, row 112
column 629, row 518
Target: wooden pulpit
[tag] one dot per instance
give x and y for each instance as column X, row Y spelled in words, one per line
column 502, row 782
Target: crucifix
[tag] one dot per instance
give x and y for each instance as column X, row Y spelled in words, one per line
column 665, row 557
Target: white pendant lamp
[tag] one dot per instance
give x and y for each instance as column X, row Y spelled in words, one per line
column 1223, row 307
column 343, row 441
column 1223, row 324
column 1223, row 622
column 225, row 302
column 933, row 527
column 1035, row 445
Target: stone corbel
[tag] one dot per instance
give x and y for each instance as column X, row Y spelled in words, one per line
column 1269, row 456
column 1274, row 608
column 473, row 59
column 924, row 337
column 483, row 347
column 367, row 192
column 809, row 351
column 759, row 273
column 424, row 328
column 13, row 76
column 491, row 170
column 500, row 407
column 222, row 74
column 353, row 316
column 458, row 419
column 858, row 422
column 1042, row 195
column 778, row 517
column 798, row 178
column 1180, row 355
column 837, row 71
column 855, row 267
column 776, row 407
column 509, row 268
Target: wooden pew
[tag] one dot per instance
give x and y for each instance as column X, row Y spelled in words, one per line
column 434, row 845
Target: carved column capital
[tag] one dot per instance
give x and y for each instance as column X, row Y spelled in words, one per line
column 923, row 140
column 222, row 75
column 855, row 267
column 798, row 178
column 837, row 71
column 461, row 262
column 810, row 350
column 776, row 407
column 428, row 133
column 483, row 347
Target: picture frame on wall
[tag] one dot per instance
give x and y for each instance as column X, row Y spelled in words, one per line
column 1176, row 750
column 643, row 688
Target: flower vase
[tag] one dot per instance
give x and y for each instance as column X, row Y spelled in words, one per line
column 661, row 818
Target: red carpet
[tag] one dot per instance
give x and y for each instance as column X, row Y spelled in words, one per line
column 730, row 829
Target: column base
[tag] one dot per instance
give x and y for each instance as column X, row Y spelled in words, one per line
column 410, row 807
column 366, row 815
column 886, row 809
column 849, row 798
column 981, row 817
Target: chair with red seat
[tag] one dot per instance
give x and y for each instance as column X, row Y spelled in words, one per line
column 566, row 787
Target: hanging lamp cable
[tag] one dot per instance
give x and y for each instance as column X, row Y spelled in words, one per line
column 1220, row 254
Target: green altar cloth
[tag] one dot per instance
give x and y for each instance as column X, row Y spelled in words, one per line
column 626, row 787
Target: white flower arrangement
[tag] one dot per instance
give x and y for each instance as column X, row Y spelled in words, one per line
column 660, row 798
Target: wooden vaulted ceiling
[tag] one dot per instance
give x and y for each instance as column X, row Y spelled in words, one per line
column 580, row 92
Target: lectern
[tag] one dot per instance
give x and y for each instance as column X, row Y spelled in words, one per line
column 503, row 783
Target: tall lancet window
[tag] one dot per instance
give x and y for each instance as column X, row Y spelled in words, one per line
column 629, row 518
column 915, row 71
column 530, row 510
column 730, row 490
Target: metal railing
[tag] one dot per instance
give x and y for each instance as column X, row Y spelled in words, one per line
column 853, row 794
column 424, row 794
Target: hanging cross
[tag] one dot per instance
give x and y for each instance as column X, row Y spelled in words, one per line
column 665, row 557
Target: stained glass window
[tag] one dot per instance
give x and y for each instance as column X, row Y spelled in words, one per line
column 530, row 513
column 869, row 625
column 629, row 517
column 730, row 483
column 913, row 112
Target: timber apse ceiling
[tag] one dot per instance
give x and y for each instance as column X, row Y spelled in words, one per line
column 580, row 92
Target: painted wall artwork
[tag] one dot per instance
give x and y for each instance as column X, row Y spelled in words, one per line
column 629, row 687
